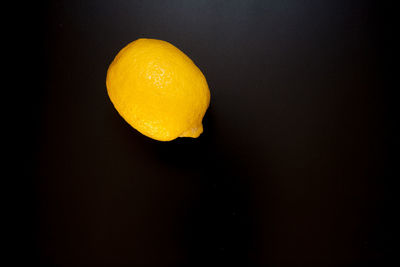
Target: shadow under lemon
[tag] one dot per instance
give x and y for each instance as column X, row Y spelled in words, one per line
column 203, row 195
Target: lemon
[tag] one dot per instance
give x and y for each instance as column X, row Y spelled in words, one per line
column 158, row 90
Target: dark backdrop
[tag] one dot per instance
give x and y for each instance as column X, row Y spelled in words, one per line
column 295, row 166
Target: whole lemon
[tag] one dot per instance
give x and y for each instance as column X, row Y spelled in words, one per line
column 158, row 90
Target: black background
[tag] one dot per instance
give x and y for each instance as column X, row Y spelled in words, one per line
column 295, row 166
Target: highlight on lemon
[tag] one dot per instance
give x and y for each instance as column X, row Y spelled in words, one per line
column 158, row 90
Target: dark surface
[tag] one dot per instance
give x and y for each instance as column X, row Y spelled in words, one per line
column 295, row 166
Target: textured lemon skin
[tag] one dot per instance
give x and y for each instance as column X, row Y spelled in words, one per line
column 158, row 90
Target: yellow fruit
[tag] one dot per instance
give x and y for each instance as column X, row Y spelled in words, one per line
column 158, row 90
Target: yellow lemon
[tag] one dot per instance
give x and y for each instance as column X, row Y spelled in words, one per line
column 158, row 90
